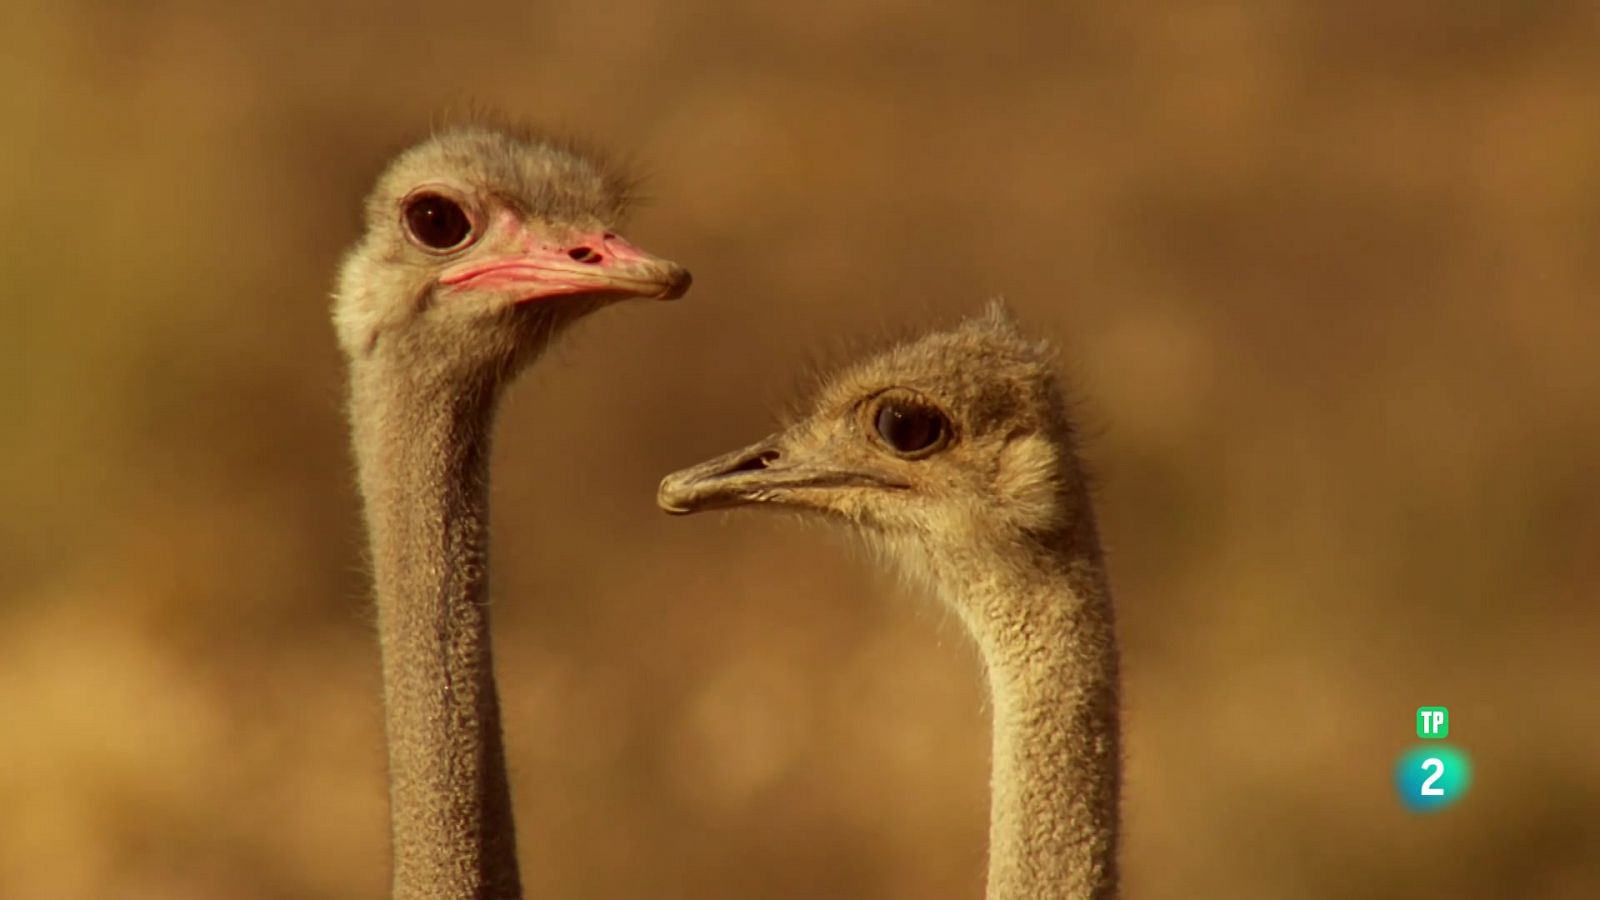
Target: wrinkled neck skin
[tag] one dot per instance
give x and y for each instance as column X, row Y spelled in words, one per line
column 422, row 447
column 1040, row 612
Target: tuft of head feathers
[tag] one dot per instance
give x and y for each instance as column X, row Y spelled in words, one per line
column 621, row 173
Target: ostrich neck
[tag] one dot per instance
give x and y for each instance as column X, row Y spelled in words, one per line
column 423, row 451
column 1046, row 633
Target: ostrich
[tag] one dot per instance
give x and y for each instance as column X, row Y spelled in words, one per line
column 481, row 244
column 954, row 456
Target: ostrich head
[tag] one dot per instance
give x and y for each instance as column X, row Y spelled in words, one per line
column 954, row 441
column 481, row 244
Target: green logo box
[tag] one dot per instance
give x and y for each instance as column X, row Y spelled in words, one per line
column 1433, row 723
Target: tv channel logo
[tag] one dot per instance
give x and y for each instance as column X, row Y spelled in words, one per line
column 1432, row 776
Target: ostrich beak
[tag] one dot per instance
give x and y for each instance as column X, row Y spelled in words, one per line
column 593, row 264
column 764, row 472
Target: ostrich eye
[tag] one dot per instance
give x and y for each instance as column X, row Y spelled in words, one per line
column 909, row 429
column 436, row 222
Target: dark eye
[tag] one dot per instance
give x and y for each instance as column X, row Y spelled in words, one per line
column 436, row 222
column 908, row 428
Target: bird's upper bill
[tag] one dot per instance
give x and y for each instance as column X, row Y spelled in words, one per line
column 596, row 264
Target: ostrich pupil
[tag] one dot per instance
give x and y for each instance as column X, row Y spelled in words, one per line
column 909, row 429
column 437, row 222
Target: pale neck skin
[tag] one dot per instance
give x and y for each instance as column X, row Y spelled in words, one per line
column 422, row 447
column 1042, row 619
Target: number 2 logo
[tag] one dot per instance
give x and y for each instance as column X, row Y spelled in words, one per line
column 1437, row 765
column 1430, row 778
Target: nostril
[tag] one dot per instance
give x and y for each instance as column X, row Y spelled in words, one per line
column 586, row 255
column 757, row 463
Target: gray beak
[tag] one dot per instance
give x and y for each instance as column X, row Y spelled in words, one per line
column 764, row 472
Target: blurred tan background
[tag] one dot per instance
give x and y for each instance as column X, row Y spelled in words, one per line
column 1324, row 274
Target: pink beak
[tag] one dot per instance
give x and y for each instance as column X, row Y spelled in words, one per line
column 588, row 264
